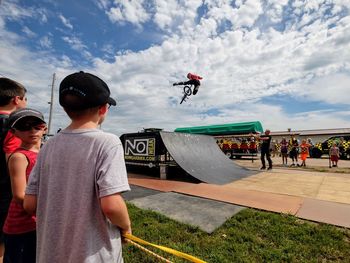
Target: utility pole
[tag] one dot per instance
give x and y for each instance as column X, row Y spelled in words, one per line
column 51, row 103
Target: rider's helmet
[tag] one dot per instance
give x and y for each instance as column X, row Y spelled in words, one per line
column 189, row 75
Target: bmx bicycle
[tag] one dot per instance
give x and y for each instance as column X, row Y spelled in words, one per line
column 187, row 91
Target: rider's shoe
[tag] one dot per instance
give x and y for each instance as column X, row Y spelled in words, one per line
column 195, row 90
column 174, row 84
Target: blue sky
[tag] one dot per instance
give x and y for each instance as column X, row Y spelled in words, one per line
column 284, row 63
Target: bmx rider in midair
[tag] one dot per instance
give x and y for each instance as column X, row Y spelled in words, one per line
column 193, row 80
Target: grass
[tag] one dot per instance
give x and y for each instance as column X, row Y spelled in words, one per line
column 249, row 236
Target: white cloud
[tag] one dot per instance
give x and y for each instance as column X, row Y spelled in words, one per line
column 241, row 61
column 108, row 50
column 275, row 10
column 65, row 22
column 13, row 11
column 43, row 18
column 45, row 42
column 241, row 15
column 171, row 15
column 42, row 15
column 33, row 70
column 305, row 121
column 132, row 11
column 28, row 32
column 103, row 4
column 78, row 45
column 341, row 4
column 334, row 89
column 66, row 62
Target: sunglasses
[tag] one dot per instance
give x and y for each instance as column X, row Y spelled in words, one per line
column 30, row 126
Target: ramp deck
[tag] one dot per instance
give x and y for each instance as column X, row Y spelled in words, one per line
column 200, row 157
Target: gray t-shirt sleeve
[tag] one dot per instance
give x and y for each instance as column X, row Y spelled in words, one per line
column 111, row 173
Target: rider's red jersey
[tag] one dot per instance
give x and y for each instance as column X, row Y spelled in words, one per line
column 193, row 76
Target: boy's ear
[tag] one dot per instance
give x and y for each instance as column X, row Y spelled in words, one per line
column 103, row 109
column 16, row 100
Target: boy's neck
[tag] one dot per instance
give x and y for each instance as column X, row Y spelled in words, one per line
column 82, row 124
column 8, row 108
column 31, row 147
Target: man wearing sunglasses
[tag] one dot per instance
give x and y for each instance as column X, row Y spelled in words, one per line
column 12, row 97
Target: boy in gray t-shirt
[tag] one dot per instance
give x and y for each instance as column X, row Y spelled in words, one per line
column 76, row 183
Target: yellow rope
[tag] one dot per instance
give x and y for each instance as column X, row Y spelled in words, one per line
column 149, row 251
column 166, row 249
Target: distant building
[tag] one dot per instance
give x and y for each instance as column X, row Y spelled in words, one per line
column 316, row 135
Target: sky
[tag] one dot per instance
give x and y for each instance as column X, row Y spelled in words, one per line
column 283, row 63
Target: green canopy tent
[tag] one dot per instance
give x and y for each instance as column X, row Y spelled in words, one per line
column 224, row 129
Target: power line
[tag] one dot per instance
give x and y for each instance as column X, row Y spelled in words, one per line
column 36, row 95
column 51, row 102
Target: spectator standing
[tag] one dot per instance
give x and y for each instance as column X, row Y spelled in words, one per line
column 265, row 149
column 12, row 97
column 244, row 146
column 284, row 151
column 334, row 154
column 19, row 228
column 294, row 151
column 304, row 151
column 75, row 187
column 310, row 142
column 252, row 145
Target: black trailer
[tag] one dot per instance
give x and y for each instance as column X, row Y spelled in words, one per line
column 146, row 148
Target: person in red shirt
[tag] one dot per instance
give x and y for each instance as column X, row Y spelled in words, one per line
column 193, row 80
column 12, row 97
column 20, row 227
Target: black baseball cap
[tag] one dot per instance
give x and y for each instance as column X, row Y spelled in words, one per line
column 17, row 116
column 89, row 91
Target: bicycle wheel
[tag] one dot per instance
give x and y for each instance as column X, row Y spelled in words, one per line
column 187, row 90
